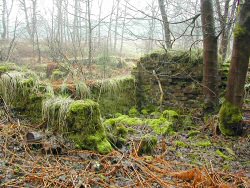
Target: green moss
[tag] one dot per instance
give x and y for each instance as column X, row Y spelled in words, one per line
column 118, row 114
column 240, row 31
column 104, row 147
column 117, row 134
column 4, row 69
column 145, row 112
column 222, row 155
column 155, row 114
column 203, row 143
column 124, row 120
column 7, row 67
column 193, row 133
column 230, row 118
column 57, row 74
column 84, row 123
column 187, row 122
column 160, row 126
column 133, row 112
column 170, row 115
column 22, row 93
column 148, row 144
column 180, row 144
column 114, row 95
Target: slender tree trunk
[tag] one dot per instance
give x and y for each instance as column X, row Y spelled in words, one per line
column 75, row 23
column 59, row 22
column 28, row 27
column 210, row 70
column 35, row 38
column 165, row 24
column 4, row 24
column 230, row 113
column 123, row 28
column 116, row 24
column 149, row 46
column 225, row 28
column 99, row 20
column 109, row 40
column 8, row 18
column 90, row 34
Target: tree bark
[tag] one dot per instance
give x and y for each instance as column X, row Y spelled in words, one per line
column 240, row 57
column 230, row 112
column 210, row 70
column 165, row 24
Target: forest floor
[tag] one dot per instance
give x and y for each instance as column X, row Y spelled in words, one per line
column 195, row 157
column 183, row 160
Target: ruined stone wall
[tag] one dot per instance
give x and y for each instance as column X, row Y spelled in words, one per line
column 180, row 76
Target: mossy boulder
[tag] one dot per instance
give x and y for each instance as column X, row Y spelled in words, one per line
column 230, row 119
column 160, row 126
column 85, row 127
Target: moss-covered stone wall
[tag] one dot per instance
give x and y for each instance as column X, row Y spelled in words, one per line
column 116, row 95
column 79, row 120
column 180, row 76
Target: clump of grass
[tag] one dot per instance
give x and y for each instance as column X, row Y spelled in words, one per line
column 82, row 90
column 16, row 86
column 9, row 85
column 114, row 85
column 54, row 112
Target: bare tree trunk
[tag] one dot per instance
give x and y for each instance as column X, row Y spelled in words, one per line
column 116, row 24
column 25, row 9
column 59, row 22
column 4, row 11
column 165, row 24
column 230, row 113
column 210, row 70
column 149, row 46
column 89, row 35
column 75, row 23
column 99, row 20
column 12, row 43
column 123, row 28
column 109, row 40
column 8, row 17
column 35, row 38
column 225, row 28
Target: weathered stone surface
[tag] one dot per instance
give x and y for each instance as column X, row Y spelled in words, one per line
column 180, row 75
